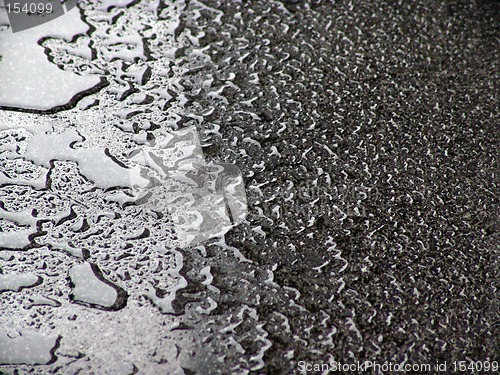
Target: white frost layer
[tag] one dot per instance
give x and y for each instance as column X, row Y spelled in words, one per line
column 27, row 79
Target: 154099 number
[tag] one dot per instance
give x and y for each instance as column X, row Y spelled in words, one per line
column 29, row 8
column 475, row 366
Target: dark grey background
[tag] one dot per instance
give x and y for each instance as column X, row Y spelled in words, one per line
column 367, row 134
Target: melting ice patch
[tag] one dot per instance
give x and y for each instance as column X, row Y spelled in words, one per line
column 204, row 199
column 28, row 79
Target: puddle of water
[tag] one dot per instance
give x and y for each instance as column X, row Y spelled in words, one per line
column 90, row 288
column 43, row 301
column 205, row 200
column 16, row 282
column 44, row 144
column 28, row 80
column 25, row 225
column 27, row 348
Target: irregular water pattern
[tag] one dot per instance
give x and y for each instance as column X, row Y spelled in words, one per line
column 29, row 79
column 205, row 200
column 366, row 134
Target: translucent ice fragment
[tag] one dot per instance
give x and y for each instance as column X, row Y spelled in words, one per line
column 204, row 199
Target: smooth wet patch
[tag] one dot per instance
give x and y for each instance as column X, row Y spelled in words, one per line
column 91, row 237
column 29, row 348
column 28, row 80
column 24, row 224
column 15, row 282
column 91, row 288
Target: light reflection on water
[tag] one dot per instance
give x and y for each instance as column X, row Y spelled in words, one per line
column 205, row 200
column 28, row 79
column 96, row 198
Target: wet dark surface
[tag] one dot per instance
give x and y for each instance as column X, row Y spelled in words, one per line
column 391, row 109
column 367, row 137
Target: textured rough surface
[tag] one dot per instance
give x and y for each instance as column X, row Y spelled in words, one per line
column 367, row 135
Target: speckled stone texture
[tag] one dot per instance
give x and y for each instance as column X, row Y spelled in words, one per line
column 367, row 136
column 380, row 206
